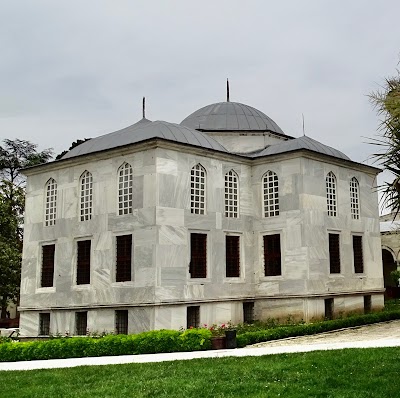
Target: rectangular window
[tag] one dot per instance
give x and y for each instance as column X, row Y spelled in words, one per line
column 367, row 304
column 124, row 258
column 272, row 255
column 193, row 317
column 44, row 324
column 334, row 254
column 358, row 254
column 81, row 323
column 121, row 322
column 198, row 255
column 248, row 312
column 83, row 262
column 232, row 249
column 329, row 308
column 47, row 275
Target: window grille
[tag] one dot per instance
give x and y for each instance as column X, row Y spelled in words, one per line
column 232, row 250
column 51, row 201
column 124, row 258
column 198, row 255
column 44, row 324
column 81, row 323
column 331, row 194
column 272, row 255
column 334, row 253
column 367, row 304
column 86, row 196
column 271, row 194
column 83, row 262
column 354, row 199
column 197, row 189
column 193, row 317
column 121, row 322
column 248, row 312
column 231, row 195
column 47, row 274
column 125, row 189
column 358, row 254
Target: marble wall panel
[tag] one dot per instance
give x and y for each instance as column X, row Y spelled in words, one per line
column 140, row 319
column 172, row 256
column 170, row 216
column 174, row 276
column 166, row 166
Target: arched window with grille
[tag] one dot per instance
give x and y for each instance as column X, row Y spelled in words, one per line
column 51, row 203
column 231, row 194
column 125, row 189
column 198, row 189
column 86, row 196
column 355, row 198
column 331, row 194
column 271, row 194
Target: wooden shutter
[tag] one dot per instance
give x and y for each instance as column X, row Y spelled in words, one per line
column 124, row 258
column 272, row 255
column 232, row 249
column 47, row 265
column 334, row 254
column 83, row 262
column 198, row 255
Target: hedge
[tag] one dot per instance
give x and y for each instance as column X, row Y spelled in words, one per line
column 155, row 341
column 282, row 332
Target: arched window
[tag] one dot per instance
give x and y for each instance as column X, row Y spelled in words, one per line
column 231, row 194
column 51, row 202
column 354, row 199
column 86, row 196
column 271, row 194
column 198, row 189
column 331, row 194
column 125, row 189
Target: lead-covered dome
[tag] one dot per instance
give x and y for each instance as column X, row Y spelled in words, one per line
column 230, row 116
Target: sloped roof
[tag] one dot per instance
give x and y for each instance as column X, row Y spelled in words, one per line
column 230, row 116
column 142, row 131
column 303, row 142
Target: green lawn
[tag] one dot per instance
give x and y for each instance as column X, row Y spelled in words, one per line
column 345, row 373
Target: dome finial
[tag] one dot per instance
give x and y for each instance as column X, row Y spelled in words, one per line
column 227, row 90
column 144, row 107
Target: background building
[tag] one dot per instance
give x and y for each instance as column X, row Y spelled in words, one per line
column 221, row 218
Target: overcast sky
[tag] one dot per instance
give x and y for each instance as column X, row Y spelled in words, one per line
column 77, row 69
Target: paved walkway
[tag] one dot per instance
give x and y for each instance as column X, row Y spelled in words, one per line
column 385, row 334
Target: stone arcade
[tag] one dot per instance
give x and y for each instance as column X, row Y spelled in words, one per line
column 220, row 218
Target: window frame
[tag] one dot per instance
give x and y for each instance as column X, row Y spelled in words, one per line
column 238, row 274
column 331, row 194
column 44, row 316
column 198, row 202
column 50, row 203
column 78, row 327
column 125, row 206
column 42, row 267
column 121, row 323
column 358, row 266
column 196, row 315
column 354, row 198
column 85, row 196
column 206, row 256
column 231, row 194
column 271, row 206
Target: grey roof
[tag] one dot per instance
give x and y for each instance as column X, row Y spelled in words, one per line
column 301, row 143
column 142, row 131
column 230, row 116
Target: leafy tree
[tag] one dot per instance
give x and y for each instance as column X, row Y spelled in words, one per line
column 14, row 155
column 73, row 145
column 387, row 104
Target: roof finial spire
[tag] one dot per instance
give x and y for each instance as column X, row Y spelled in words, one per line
column 227, row 90
column 304, row 133
column 144, row 107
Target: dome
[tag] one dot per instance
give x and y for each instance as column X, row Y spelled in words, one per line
column 230, row 116
column 302, row 143
column 142, row 131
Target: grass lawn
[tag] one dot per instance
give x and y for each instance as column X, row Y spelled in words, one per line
column 344, row 373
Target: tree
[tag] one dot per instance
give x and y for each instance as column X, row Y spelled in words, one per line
column 387, row 104
column 14, row 155
column 73, row 145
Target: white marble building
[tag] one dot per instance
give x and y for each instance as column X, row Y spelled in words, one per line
column 221, row 218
